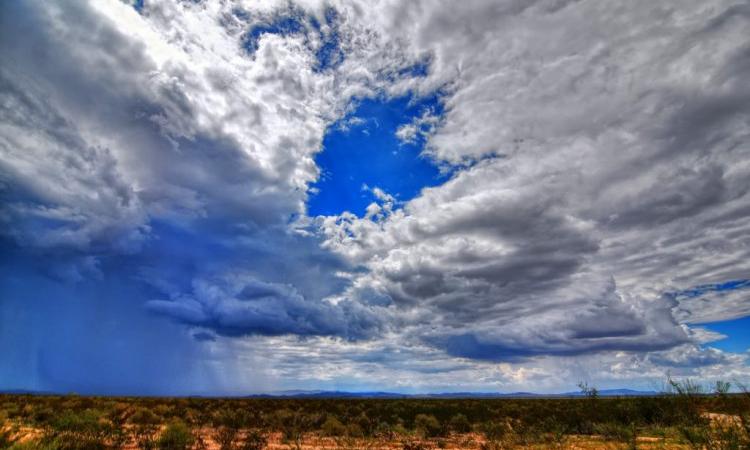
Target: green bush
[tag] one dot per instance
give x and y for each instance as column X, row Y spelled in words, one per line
column 614, row 431
column 495, row 430
column 293, row 425
column 82, row 430
column 6, row 438
column 427, row 425
column 460, row 424
column 176, row 436
column 143, row 416
column 333, row 427
column 384, row 430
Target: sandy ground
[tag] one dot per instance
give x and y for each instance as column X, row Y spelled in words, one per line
column 469, row 441
column 456, row 442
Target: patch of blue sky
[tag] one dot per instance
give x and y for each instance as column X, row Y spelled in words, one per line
column 418, row 70
column 284, row 25
column 737, row 331
column 703, row 289
column 138, row 5
column 329, row 54
column 362, row 152
column 737, row 334
column 292, row 21
column 241, row 14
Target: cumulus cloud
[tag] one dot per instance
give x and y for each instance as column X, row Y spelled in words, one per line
column 59, row 189
column 599, row 153
column 598, row 168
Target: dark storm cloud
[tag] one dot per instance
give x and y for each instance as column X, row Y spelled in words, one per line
column 59, row 192
column 118, row 167
column 246, row 306
column 469, row 346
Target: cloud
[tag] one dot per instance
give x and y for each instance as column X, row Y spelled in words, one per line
column 596, row 162
column 593, row 179
column 713, row 302
column 131, row 150
column 691, row 357
column 420, row 127
column 59, row 190
column 243, row 305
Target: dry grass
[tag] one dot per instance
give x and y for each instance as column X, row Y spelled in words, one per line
column 464, row 441
column 687, row 420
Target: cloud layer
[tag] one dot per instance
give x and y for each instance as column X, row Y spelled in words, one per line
column 596, row 158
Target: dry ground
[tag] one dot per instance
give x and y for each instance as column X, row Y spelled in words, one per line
column 468, row 441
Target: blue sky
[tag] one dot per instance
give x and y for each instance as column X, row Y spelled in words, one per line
column 362, row 152
column 736, row 332
column 222, row 198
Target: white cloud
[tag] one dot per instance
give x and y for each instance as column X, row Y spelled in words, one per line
column 421, row 126
column 598, row 150
column 618, row 157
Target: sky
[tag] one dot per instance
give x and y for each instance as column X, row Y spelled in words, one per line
column 232, row 197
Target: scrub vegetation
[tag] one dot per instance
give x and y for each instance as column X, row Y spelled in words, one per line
column 687, row 416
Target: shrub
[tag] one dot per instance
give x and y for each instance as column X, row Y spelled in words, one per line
column 494, row 431
column 555, row 431
column 384, row 431
column 229, row 422
column 144, row 436
column 43, row 415
column 6, row 438
column 225, row 437
column 143, row 416
column 361, row 425
column 730, row 429
column 460, row 424
column 688, row 397
column 176, row 436
column 354, row 430
column 333, row 427
column 428, row 425
column 231, row 418
column 614, row 431
column 293, row 425
column 413, row 445
column 145, row 423
column 253, row 440
column 85, row 430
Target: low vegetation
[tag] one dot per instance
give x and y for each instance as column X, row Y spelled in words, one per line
column 687, row 416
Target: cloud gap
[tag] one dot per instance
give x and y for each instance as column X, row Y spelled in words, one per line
column 364, row 150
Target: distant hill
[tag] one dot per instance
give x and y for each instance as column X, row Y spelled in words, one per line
column 381, row 394
column 378, row 394
column 327, row 394
column 615, row 393
column 26, row 392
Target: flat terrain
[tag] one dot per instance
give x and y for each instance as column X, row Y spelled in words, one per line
column 682, row 420
column 454, row 441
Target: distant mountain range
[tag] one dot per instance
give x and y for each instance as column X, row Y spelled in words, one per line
column 379, row 394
